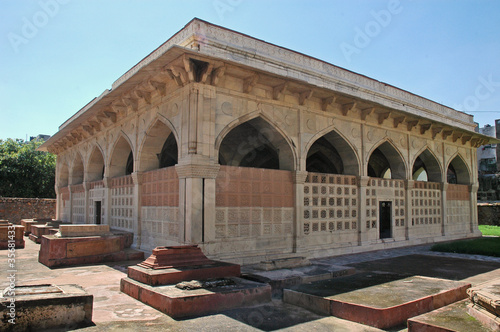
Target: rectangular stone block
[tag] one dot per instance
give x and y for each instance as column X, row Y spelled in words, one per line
column 83, row 230
column 58, row 251
column 41, row 307
column 5, row 236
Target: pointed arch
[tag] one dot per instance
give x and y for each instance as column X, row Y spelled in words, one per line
column 427, row 163
column 95, row 165
column 122, row 158
column 159, row 147
column 255, row 141
column 458, row 172
column 77, row 170
column 386, row 161
column 331, row 152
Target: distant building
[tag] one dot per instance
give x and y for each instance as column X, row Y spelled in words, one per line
column 40, row 137
column 487, row 154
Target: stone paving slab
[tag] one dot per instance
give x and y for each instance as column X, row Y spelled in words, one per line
column 286, row 278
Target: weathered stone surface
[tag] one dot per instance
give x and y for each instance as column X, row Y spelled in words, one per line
column 40, row 307
column 365, row 298
column 83, row 230
column 179, row 303
column 488, row 214
column 65, row 251
column 210, row 283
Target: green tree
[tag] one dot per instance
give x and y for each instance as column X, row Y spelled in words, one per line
column 25, row 172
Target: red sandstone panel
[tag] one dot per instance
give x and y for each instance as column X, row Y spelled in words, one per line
column 457, row 192
column 254, row 187
column 161, row 187
column 98, row 247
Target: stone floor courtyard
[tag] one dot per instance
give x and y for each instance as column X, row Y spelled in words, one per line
column 116, row 311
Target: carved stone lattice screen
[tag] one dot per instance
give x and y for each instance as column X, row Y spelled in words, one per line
column 458, row 208
column 330, row 203
column 160, row 206
column 253, row 202
column 426, row 208
column 122, row 200
column 78, row 206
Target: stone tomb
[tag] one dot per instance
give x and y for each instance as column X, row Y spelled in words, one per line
column 153, row 282
column 28, row 222
column 40, row 307
column 37, row 230
column 5, row 236
column 86, row 244
column 380, row 300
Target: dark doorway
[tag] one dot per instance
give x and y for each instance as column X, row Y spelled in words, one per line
column 97, row 209
column 385, row 219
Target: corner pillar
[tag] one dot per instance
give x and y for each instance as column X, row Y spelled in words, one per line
column 474, row 229
column 137, row 180
column 409, row 185
column 197, row 202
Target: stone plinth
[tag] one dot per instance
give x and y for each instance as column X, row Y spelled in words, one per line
column 38, row 230
column 485, row 303
column 64, row 251
column 5, row 236
column 4, row 222
column 169, row 265
column 40, row 307
column 178, row 303
column 376, row 300
column 83, row 230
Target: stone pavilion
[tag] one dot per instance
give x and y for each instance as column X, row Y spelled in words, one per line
column 254, row 151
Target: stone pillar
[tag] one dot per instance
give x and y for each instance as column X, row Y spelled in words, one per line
column 86, row 187
column 444, row 212
column 409, row 185
column 197, row 201
column 362, row 187
column 137, row 179
column 106, row 181
column 298, row 226
column 70, row 217
column 473, row 209
column 58, row 203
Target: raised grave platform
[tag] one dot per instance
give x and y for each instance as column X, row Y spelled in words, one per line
column 153, row 282
column 5, row 236
column 170, row 265
column 37, row 230
column 381, row 300
column 86, row 244
column 40, row 307
column 485, row 303
column 28, row 222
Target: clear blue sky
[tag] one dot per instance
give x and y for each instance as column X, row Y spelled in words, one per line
column 56, row 55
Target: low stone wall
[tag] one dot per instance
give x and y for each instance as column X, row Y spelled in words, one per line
column 488, row 214
column 15, row 209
